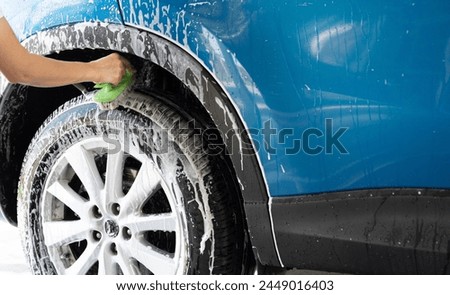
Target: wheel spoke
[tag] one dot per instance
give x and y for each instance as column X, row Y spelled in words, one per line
column 146, row 183
column 58, row 233
column 157, row 261
column 114, row 175
column 83, row 163
column 63, row 192
column 106, row 265
column 161, row 222
column 126, row 264
column 85, row 261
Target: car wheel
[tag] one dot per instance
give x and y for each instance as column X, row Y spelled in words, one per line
column 127, row 191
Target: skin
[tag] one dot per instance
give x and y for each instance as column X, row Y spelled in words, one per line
column 21, row 67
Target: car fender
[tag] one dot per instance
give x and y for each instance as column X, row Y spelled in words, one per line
column 209, row 91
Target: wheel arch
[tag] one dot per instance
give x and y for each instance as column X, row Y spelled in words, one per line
column 194, row 76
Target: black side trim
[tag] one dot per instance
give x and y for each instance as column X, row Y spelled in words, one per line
column 388, row 231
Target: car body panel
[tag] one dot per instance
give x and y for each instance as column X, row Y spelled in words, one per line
column 370, row 68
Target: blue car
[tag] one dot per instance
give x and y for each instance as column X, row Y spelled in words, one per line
column 257, row 136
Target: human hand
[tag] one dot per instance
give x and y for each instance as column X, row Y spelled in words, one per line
column 110, row 69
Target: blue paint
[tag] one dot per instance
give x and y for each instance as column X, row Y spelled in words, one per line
column 380, row 69
column 30, row 16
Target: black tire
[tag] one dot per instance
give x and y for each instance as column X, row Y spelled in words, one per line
column 208, row 215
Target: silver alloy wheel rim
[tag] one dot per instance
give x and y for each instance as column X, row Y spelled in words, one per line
column 110, row 228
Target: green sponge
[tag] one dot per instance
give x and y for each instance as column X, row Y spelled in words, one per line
column 109, row 93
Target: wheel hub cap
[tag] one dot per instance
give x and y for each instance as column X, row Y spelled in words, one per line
column 111, row 228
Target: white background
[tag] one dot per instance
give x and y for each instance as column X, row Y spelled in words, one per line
column 12, row 259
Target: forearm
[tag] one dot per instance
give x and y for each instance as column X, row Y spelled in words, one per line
column 47, row 72
column 20, row 66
